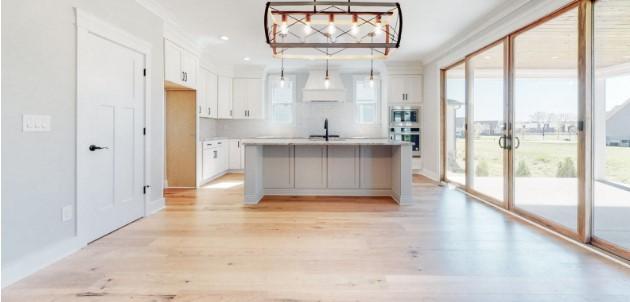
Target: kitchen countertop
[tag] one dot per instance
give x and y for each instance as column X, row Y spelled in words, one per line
column 334, row 141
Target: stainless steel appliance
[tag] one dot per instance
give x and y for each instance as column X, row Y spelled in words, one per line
column 400, row 116
column 404, row 125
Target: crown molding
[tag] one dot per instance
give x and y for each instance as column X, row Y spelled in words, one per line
column 172, row 30
column 491, row 20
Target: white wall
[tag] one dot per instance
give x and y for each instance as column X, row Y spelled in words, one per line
column 457, row 49
column 308, row 118
column 39, row 77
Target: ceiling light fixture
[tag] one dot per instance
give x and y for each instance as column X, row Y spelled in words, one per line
column 342, row 27
column 224, row 38
column 247, row 59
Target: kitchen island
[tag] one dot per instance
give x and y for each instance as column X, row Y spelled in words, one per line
column 338, row 167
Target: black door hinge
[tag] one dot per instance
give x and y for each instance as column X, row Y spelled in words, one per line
column 144, row 72
column 580, row 126
column 144, row 189
column 144, row 131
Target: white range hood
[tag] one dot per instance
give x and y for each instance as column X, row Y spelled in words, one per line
column 316, row 91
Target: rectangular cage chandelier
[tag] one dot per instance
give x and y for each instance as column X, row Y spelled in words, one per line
column 333, row 30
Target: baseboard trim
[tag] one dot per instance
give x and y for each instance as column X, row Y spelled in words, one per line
column 329, row 192
column 430, row 174
column 155, row 206
column 33, row 262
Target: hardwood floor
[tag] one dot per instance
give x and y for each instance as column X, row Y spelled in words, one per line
column 207, row 246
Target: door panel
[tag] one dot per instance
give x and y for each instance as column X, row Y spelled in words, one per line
column 455, row 116
column 545, row 120
column 111, row 115
column 487, row 119
column 611, row 125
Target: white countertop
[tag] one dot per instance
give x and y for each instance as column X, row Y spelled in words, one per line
column 332, row 141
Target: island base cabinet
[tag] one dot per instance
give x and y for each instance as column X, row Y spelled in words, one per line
column 343, row 167
column 310, row 167
column 278, row 167
column 376, row 165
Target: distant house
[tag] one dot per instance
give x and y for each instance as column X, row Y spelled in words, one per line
column 618, row 125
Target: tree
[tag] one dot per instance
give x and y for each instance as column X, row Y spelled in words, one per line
column 566, row 169
column 523, row 169
column 482, row 169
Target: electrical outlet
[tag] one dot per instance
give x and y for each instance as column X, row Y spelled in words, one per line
column 35, row 123
column 67, row 213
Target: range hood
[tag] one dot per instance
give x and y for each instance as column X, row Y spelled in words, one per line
column 316, row 91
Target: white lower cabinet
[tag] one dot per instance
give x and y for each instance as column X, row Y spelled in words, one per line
column 235, row 154
column 214, row 159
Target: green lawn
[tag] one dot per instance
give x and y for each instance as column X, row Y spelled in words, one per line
column 542, row 157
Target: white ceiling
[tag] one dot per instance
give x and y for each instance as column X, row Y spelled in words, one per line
column 428, row 24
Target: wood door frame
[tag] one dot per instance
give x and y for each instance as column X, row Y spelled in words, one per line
column 88, row 24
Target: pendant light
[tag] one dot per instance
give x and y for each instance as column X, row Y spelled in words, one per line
column 372, row 62
column 354, row 30
column 327, row 78
column 282, row 67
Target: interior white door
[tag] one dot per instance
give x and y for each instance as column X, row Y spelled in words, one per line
column 110, row 140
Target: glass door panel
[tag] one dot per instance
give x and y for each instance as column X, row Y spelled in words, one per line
column 545, row 146
column 611, row 123
column 455, row 115
column 488, row 124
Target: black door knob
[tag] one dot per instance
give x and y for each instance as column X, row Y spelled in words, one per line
column 95, row 147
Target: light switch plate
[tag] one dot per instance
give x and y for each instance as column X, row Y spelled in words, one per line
column 67, row 213
column 36, row 123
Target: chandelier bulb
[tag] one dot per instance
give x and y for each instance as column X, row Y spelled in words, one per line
column 307, row 25
column 284, row 27
column 355, row 25
column 378, row 28
column 331, row 25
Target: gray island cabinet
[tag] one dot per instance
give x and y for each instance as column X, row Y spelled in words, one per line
column 347, row 167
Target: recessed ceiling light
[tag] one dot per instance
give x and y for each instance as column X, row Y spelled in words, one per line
column 555, row 57
column 487, row 57
column 224, row 38
column 246, row 58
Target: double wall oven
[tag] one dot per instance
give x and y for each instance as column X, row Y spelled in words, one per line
column 404, row 125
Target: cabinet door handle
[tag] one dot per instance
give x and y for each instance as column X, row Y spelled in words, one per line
column 209, row 112
column 183, row 76
column 200, row 109
column 230, row 112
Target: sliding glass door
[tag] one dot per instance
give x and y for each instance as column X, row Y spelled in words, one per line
column 611, row 125
column 545, row 127
column 455, row 123
column 487, row 140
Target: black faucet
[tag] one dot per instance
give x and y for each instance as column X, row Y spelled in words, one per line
column 326, row 128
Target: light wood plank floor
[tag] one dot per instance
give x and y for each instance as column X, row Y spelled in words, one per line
column 207, row 246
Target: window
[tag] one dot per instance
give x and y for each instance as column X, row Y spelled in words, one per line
column 366, row 100
column 282, row 98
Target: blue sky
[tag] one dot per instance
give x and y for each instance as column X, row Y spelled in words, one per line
column 551, row 95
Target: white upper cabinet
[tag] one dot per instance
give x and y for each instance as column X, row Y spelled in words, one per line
column 224, row 98
column 181, row 66
column 248, row 100
column 207, row 94
column 405, row 89
column 212, row 85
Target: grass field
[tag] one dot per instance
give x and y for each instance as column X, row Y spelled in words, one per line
column 542, row 157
